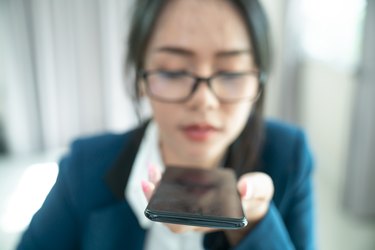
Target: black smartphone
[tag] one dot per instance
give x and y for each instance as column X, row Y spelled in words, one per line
column 197, row 197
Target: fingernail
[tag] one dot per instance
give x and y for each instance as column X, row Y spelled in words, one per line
column 145, row 186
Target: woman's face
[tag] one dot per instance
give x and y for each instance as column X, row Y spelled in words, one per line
column 201, row 37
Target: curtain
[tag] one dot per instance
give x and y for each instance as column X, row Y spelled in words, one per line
column 63, row 71
column 360, row 186
column 291, row 65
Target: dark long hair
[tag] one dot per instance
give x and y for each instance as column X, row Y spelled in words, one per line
column 244, row 151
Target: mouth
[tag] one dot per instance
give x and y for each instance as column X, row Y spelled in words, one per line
column 200, row 132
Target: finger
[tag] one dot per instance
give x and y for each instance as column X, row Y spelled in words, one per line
column 177, row 228
column 255, row 210
column 253, row 205
column 154, row 173
column 263, row 187
column 148, row 189
column 256, row 186
column 174, row 228
column 245, row 188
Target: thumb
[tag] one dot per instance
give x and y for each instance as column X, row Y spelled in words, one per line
column 255, row 185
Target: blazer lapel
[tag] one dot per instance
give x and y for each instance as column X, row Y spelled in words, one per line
column 113, row 227
column 118, row 175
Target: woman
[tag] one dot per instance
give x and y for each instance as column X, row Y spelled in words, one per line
column 203, row 66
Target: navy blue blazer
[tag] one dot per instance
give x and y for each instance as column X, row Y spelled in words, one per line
column 86, row 208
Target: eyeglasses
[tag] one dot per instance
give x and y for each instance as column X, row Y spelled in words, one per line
column 179, row 86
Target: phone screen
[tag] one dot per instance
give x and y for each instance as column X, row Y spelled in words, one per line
column 197, row 197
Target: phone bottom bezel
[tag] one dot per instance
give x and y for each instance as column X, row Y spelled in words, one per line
column 202, row 221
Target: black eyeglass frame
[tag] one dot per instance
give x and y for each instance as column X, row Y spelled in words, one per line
column 198, row 80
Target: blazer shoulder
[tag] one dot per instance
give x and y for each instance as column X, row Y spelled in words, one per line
column 286, row 150
column 282, row 138
column 281, row 131
column 104, row 145
column 88, row 160
column 99, row 142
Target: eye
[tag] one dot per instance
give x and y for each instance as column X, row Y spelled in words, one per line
column 173, row 74
column 230, row 75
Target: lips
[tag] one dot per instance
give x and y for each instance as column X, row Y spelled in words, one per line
column 199, row 132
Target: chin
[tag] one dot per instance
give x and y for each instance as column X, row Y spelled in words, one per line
column 202, row 155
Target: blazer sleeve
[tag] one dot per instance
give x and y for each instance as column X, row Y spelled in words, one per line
column 295, row 228
column 291, row 228
column 55, row 225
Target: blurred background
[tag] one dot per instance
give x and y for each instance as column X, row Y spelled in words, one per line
column 61, row 76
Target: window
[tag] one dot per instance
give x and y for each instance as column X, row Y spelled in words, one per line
column 332, row 31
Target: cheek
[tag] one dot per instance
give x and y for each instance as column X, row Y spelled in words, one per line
column 162, row 114
column 237, row 117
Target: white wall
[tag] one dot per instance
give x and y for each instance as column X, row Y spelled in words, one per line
column 326, row 107
column 275, row 12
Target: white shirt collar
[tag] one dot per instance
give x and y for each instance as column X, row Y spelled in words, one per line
column 159, row 236
column 149, row 152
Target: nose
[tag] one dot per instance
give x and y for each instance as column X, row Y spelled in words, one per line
column 203, row 98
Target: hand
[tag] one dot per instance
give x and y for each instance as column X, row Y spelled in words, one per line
column 256, row 190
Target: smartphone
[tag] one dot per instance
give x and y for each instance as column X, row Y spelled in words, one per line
column 197, row 197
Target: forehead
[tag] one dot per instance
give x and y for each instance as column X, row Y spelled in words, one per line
column 200, row 25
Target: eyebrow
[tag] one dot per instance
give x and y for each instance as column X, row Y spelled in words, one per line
column 190, row 53
column 231, row 53
column 175, row 50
